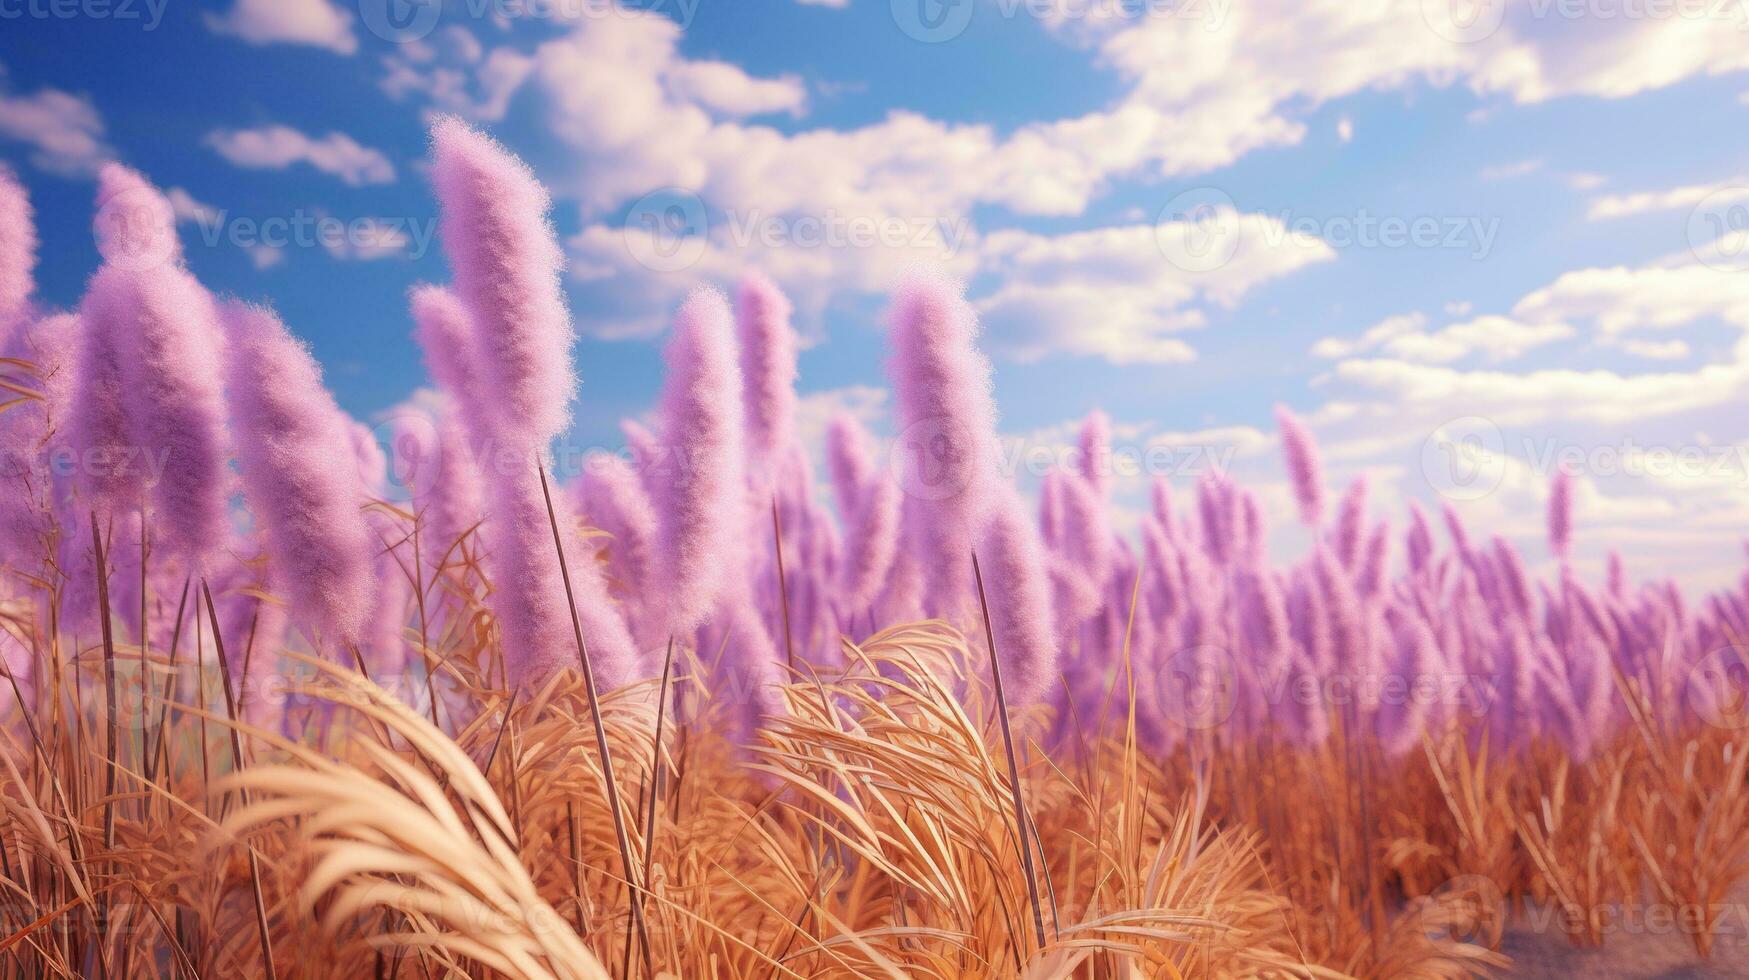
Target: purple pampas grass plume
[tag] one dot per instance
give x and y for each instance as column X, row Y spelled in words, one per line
column 647, row 455
column 432, row 456
column 1094, row 462
column 299, row 475
column 1561, row 514
column 157, row 329
column 850, row 461
column 768, row 371
column 947, row 432
column 135, row 224
column 1256, row 529
column 1019, row 593
column 528, row 590
column 30, row 488
column 1376, row 566
column 506, row 262
column 1351, row 524
column 1420, row 539
column 107, row 476
column 871, row 541
column 1403, row 715
column 444, row 330
column 1617, row 577
column 1304, row 467
column 701, row 500
column 612, row 499
column 165, row 332
column 1085, row 534
column 17, row 252
column 1160, row 503
column 1220, row 525
column 1460, row 537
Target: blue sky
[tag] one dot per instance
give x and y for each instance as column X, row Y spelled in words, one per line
column 1575, row 169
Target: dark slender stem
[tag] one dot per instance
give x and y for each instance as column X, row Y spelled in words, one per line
column 1020, row 821
column 243, row 794
column 112, row 725
column 789, row 650
column 619, row 828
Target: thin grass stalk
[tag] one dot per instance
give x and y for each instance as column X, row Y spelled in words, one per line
column 789, row 649
column 655, row 787
column 112, row 735
column 1020, row 820
column 169, row 684
column 243, row 793
column 633, row 884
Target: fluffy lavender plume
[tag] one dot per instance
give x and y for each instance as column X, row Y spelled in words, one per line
column 1256, row 529
column 528, row 595
column 135, row 224
column 17, row 252
column 1617, row 577
column 299, row 475
column 506, row 262
column 108, row 477
column 432, row 456
column 947, row 431
column 1454, row 527
column 1160, row 504
column 30, row 488
column 850, row 460
column 701, row 500
column 1094, row 462
column 1019, row 594
column 1400, row 719
column 613, row 500
column 1420, row 540
column 1220, row 530
column 871, row 542
column 647, row 455
column 165, row 334
column 444, row 329
column 1376, row 565
column 1085, row 535
column 1561, row 514
column 768, row 369
column 1351, row 523
column 1304, row 467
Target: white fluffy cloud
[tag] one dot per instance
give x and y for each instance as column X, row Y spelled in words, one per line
column 318, row 23
column 64, row 131
column 278, row 147
column 1115, row 293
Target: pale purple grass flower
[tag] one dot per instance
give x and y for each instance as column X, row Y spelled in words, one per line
column 1094, row 460
column 1304, row 467
column 1561, row 514
column 869, row 505
column 506, row 262
column 768, row 372
column 850, row 461
column 701, row 497
column 30, row 488
column 448, row 495
column 300, row 476
column 947, row 432
column 444, row 329
column 611, row 498
column 18, row 243
column 1019, row 594
column 1351, row 524
column 165, row 335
